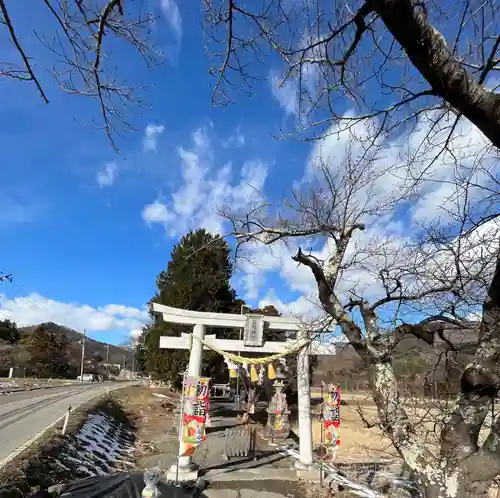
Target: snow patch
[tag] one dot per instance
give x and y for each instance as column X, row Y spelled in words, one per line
column 101, row 446
column 7, row 385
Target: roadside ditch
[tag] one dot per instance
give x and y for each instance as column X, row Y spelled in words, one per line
column 103, row 436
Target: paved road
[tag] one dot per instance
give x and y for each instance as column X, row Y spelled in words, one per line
column 23, row 415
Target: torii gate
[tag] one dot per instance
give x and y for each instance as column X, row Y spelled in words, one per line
column 253, row 342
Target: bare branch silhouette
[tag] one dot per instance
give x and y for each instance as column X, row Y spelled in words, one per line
column 82, row 64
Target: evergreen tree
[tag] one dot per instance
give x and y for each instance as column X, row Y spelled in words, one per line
column 48, row 350
column 197, row 278
column 9, row 332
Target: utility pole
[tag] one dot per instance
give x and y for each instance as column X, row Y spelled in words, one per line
column 83, row 356
column 107, row 352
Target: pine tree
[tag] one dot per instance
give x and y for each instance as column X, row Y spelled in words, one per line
column 197, row 278
column 48, row 350
column 9, row 332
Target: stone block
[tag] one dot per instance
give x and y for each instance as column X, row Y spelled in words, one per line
column 184, row 475
column 221, row 493
column 311, row 475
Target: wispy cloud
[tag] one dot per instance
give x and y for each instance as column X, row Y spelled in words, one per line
column 14, row 212
column 173, row 17
column 205, row 186
column 285, row 94
column 151, row 134
column 108, row 176
column 237, row 139
column 156, row 212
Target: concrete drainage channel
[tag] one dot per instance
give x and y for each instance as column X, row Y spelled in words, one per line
column 102, row 444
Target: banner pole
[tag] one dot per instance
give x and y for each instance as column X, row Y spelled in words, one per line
column 181, row 421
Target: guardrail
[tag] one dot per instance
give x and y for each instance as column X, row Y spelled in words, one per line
column 29, row 384
column 34, row 384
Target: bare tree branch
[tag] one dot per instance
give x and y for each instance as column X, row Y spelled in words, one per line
column 81, row 64
column 333, row 52
column 429, row 53
column 363, row 276
column 31, row 75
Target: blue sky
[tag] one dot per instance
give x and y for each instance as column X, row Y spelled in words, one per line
column 72, row 241
column 85, row 230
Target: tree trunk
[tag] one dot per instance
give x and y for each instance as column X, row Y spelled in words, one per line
column 428, row 52
column 455, row 486
column 460, row 469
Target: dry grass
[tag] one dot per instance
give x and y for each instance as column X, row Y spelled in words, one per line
column 359, row 443
column 145, row 409
column 153, row 417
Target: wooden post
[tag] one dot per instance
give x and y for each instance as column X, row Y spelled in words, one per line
column 66, row 419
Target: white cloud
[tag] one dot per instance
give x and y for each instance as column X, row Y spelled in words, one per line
column 135, row 334
column 34, row 309
column 285, row 93
column 260, row 260
column 151, row 134
column 240, row 140
column 108, row 176
column 173, row 17
column 156, row 213
column 397, row 162
column 205, row 186
column 387, row 240
column 304, row 307
column 13, row 212
column 237, row 139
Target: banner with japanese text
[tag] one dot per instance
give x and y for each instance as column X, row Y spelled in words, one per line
column 331, row 417
column 196, row 392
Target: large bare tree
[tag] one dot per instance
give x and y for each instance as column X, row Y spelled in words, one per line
column 388, row 58
column 381, row 282
column 79, row 37
column 404, row 79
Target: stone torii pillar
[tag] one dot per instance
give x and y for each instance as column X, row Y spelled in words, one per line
column 184, row 464
column 253, row 342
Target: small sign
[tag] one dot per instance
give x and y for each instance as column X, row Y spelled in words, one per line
column 254, row 331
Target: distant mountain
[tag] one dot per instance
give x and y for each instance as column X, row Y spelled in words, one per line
column 94, row 350
column 413, row 357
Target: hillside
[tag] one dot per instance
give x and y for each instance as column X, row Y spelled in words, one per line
column 93, row 349
column 415, row 361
